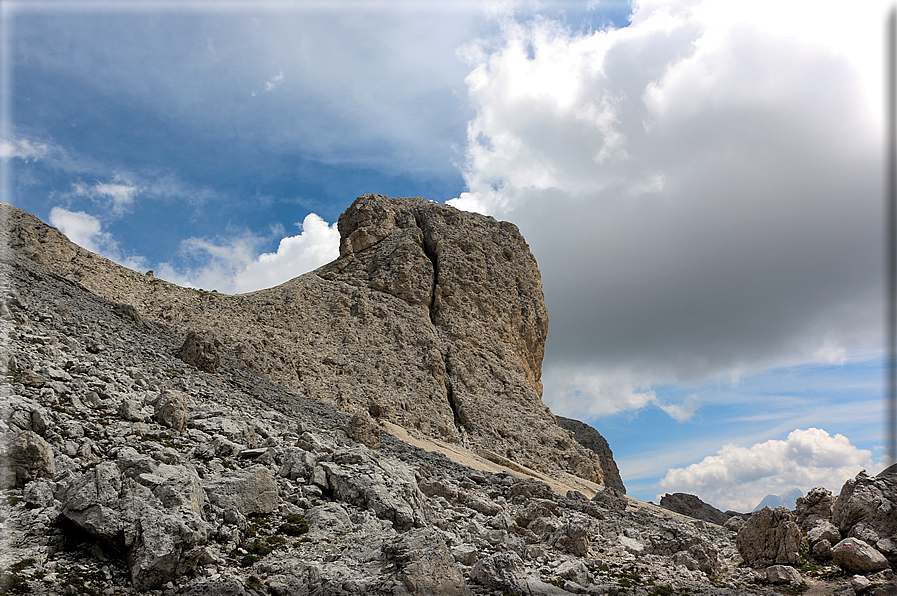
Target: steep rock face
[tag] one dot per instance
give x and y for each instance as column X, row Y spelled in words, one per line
column 692, row 506
column 590, row 438
column 431, row 318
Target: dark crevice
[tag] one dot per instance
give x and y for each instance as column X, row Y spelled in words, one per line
column 434, row 260
column 451, row 400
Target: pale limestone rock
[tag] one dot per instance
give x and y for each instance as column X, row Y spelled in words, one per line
column 852, row 554
column 248, row 491
column 201, row 351
column 432, row 318
column 770, row 537
column 28, row 457
column 501, row 571
column 814, row 507
column 171, row 410
column 782, row 574
column 363, row 430
column 426, row 565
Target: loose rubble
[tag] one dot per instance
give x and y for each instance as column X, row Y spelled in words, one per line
column 128, row 471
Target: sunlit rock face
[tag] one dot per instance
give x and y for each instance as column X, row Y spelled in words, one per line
column 431, row 318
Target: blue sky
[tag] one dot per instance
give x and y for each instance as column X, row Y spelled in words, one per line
column 699, row 180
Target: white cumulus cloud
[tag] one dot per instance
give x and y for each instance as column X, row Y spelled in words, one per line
column 702, row 189
column 87, row 231
column 739, row 477
column 235, row 266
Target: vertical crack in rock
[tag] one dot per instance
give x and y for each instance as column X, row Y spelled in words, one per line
column 434, row 260
column 450, row 394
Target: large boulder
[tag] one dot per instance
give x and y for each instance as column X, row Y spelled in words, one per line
column 866, row 509
column 813, row 508
column 202, row 351
column 426, row 565
column 852, row 554
column 386, row 487
column 770, row 537
column 154, row 519
column 28, row 457
column 248, row 492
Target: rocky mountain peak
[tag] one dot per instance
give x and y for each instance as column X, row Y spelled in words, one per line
column 431, row 318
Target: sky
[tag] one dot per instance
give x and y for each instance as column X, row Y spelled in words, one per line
column 700, row 182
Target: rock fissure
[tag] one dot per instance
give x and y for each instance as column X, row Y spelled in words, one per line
column 434, row 261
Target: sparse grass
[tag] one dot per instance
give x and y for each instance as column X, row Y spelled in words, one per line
column 253, row 583
column 294, row 525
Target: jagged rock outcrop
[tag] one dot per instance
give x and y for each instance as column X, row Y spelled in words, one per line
column 770, row 537
column 590, row 438
column 431, row 318
column 692, row 506
column 264, row 492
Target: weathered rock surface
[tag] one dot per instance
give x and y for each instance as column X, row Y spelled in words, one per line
column 692, row 506
column 28, row 458
column 590, row 438
column 770, row 537
column 852, row 554
column 399, row 325
column 866, row 509
column 264, row 492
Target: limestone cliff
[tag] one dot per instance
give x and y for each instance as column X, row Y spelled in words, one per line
column 431, row 318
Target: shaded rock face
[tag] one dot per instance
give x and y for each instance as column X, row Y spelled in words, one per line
column 590, row 438
column 770, row 537
column 431, row 318
column 866, row 509
column 692, row 506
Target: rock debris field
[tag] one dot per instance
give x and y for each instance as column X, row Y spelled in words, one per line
column 142, row 457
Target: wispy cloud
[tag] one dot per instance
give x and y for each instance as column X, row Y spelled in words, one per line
column 271, row 83
column 117, row 195
column 24, row 149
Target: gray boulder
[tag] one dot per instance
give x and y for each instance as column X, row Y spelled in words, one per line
column 171, row 410
column 426, row 565
column 852, row 554
column 866, row 509
column 813, row 508
column 501, row 571
column 202, row 351
column 364, row 430
column 387, row 488
column 770, row 537
column 28, row 458
column 328, row 520
column 155, row 524
column 783, row 574
column 611, row 498
column 248, row 492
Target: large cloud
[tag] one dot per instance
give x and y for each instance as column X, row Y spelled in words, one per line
column 234, row 265
column 702, row 190
column 739, row 477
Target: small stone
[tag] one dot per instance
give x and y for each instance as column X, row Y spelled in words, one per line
column 782, row 574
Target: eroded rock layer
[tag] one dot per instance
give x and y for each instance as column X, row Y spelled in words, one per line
column 431, row 318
